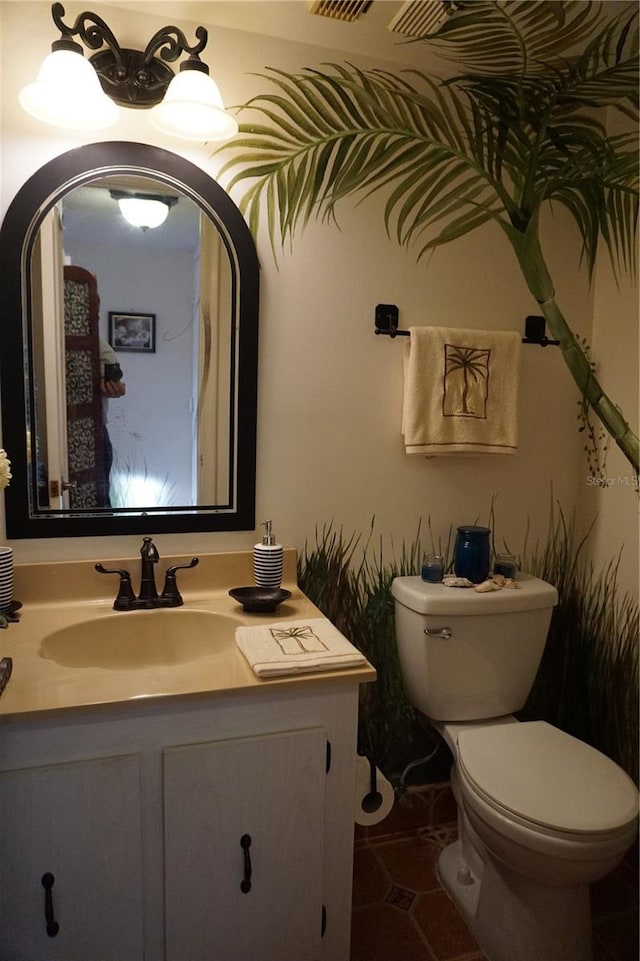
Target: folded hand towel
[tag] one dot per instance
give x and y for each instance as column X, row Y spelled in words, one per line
column 296, row 647
column 461, row 391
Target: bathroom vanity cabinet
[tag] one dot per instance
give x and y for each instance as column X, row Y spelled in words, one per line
column 181, row 829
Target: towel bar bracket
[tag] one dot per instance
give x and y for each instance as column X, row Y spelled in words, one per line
column 386, row 321
column 535, row 332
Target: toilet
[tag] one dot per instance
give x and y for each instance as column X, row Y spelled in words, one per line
column 541, row 814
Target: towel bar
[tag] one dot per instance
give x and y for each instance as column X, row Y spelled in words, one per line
column 386, row 322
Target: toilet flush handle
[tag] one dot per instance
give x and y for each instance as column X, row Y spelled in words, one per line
column 444, row 632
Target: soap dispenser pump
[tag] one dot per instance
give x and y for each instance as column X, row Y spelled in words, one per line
column 267, row 559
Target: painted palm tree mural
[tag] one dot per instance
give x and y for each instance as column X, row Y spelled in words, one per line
column 522, row 128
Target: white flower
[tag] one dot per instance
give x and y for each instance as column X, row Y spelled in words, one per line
column 5, row 473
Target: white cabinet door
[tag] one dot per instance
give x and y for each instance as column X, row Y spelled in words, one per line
column 263, row 901
column 79, row 823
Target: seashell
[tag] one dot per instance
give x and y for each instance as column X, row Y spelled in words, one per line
column 450, row 580
column 487, row 586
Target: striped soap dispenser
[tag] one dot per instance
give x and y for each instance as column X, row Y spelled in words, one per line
column 267, row 559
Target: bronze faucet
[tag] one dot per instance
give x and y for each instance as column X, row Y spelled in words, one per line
column 148, row 597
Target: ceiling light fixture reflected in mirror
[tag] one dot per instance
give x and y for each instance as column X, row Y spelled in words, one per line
column 75, row 94
column 143, row 210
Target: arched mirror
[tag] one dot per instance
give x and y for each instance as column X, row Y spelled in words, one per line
column 128, row 353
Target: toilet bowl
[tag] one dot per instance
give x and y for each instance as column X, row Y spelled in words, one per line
column 545, row 803
column 541, row 814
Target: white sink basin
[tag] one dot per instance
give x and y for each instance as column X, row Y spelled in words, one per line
column 135, row 639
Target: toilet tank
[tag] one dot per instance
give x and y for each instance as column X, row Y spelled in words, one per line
column 481, row 653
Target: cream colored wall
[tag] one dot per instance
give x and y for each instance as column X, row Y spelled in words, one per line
column 330, row 391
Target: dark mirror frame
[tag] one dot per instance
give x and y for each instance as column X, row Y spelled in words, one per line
column 19, row 229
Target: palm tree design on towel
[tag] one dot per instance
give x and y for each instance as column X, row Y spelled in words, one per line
column 297, row 640
column 466, row 381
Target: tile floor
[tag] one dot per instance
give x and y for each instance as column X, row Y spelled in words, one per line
column 400, row 912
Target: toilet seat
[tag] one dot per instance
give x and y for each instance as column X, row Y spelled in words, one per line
column 547, row 780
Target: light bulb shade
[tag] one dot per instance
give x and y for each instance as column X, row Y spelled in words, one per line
column 140, row 212
column 193, row 110
column 67, row 93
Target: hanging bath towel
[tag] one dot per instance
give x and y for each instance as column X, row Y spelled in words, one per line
column 461, row 391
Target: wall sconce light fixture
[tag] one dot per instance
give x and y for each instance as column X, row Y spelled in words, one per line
column 143, row 210
column 82, row 95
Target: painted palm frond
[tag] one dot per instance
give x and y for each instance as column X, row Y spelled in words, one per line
column 606, row 72
column 555, row 147
column 453, row 156
column 525, row 129
column 513, row 37
column 597, row 182
column 335, row 133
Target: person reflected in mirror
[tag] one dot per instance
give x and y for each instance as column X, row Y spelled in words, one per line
column 112, row 386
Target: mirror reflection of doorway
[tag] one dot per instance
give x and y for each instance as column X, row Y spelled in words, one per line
column 88, row 464
column 171, row 435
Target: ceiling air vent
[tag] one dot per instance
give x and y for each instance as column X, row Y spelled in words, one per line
column 347, row 10
column 416, row 18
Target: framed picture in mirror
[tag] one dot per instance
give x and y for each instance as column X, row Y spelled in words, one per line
column 134, row 332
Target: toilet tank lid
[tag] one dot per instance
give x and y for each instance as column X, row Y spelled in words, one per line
column 426, row 598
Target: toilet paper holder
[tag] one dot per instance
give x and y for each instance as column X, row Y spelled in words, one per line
column 372, row 801
column 374, row 794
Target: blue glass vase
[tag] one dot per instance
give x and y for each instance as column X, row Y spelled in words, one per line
column 471, row 557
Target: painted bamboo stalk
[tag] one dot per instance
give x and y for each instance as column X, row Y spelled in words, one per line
column 529, row 253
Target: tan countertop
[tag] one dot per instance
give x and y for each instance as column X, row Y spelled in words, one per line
column 56, row 595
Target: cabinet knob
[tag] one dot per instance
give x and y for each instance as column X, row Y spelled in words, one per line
column 48, row 880
column 245, row 843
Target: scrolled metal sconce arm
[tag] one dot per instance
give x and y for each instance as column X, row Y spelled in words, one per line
column 93, row 36
column 175, row 46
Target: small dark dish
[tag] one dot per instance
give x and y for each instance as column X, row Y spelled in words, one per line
column 259, row 600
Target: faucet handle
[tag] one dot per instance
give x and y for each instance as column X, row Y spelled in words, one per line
column 125, row 599
column 171, row 596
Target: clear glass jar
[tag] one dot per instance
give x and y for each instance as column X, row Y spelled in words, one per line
column 433, row 569
column 506, row 565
